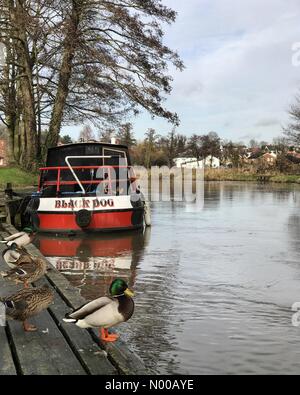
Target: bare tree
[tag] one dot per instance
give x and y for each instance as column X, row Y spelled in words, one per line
column 66, row 139
column 113, row 57
column 106, row 135
column 202, row 146
column 125, row 135
column 151, row 144
column 79, row 61
column 86, row 134
column 173, row 146
column 292, row 131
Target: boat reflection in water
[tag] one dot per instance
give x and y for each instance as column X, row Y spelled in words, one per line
column 91, row 262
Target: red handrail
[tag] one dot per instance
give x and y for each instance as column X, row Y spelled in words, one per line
column 49, row 183
column 58, row 183
column 85, row 167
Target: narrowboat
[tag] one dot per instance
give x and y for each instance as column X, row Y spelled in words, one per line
column 88, row 187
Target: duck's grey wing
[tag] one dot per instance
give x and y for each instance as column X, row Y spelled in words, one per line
column 10, row 256
column 15, row 254
column 20, row 272
column 23, row 270
column 26, row 258
column 89, row 308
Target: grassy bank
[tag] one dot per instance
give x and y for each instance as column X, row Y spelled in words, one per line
column 18, row 177
column 239, row 175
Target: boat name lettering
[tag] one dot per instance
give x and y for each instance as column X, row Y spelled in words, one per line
column 103, row 203
column 84, row 203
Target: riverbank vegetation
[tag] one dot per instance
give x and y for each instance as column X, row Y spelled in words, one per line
column 18, row 178
column 238, row 175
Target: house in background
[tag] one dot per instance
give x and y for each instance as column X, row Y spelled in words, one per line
column 211, row 162
column 270, row 158
column 293, row 156
column 193, row 163
column 187, row 163
column 267, row 155
column 3, row 153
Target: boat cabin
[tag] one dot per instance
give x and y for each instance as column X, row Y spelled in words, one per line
column 87, row 187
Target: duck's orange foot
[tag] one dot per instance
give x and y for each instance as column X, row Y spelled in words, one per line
column 108, row 337
column 29, row 328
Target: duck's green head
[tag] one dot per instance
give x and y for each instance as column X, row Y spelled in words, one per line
column 29, row 230
column 120, row 288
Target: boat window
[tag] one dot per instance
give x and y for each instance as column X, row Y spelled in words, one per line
column 118, row 158
column 104, row 176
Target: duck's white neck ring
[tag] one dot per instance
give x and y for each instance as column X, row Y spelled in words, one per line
column 118, row 296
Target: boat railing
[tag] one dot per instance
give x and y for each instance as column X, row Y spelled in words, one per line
column 111, row 176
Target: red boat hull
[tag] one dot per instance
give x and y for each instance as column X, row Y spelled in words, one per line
column 100, row 221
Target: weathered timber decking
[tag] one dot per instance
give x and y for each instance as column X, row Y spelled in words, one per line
column 59, row 348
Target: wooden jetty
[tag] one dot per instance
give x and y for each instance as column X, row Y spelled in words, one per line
column 4, row 215
column 58, row 348
column 13, row 205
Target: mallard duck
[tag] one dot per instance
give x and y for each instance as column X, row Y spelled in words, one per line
column 14, row 255
column 105, row 312
column 28, row 303
column 22, row 239
column 26, row 272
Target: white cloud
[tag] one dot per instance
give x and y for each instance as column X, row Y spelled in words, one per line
column 239, row 65
column 239, row 74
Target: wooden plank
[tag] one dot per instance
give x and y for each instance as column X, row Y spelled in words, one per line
column 122, row 357
column 87, row 351
column 44, row 352
column 7, row 365
column 126, row 361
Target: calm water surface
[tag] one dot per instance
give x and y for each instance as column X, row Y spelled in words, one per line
column 214, row 288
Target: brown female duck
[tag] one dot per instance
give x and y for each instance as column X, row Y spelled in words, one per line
column 26, row 272
column 28, row 303
column 13, row 256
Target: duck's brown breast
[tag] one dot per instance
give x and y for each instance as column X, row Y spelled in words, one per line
column 126, row 307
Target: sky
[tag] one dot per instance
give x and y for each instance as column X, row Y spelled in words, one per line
column 239, row 79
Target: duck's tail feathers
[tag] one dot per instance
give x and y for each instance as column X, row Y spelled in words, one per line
column 69, row 319
column 16, row 306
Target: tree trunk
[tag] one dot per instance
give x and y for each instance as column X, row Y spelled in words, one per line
column 65, row 74
column 7, row 86
column 29, row 138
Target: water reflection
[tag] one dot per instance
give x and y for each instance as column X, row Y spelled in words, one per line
column 92, row 262
column 212, row 196
column 294, row 231
column 214, row 287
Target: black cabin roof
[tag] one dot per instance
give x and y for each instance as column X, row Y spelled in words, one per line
column 78, row 145
column 56, row 155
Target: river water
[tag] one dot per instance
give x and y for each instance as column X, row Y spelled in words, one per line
column 214, row 288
